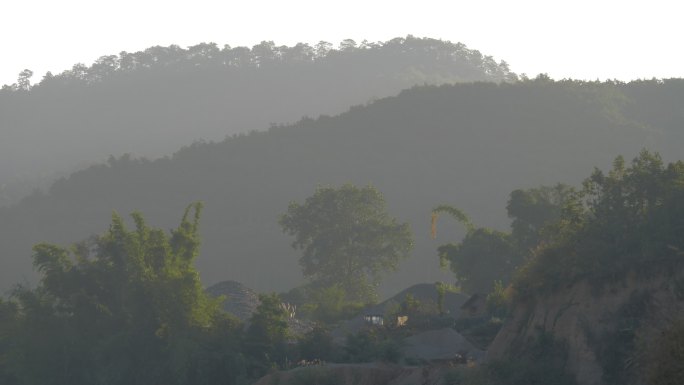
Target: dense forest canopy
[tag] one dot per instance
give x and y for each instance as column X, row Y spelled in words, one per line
column 152, row 102
column 468, row 145
column 629, row 220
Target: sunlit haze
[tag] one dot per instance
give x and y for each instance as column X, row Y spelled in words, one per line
column 580, row 39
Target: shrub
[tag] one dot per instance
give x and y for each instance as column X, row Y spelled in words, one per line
column 317, row 344
column 373, row 345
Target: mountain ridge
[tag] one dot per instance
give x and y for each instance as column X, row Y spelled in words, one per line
column 150, row 103
column 466, row 144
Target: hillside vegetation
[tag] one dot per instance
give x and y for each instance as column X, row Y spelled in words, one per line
column 150, row 103
column 606, row 282
column 466, row 144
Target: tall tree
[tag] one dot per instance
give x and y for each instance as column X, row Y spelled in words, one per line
column 485, row 256
column 124, row 308
column 347, row 238
column 481, row 258
column 266, row 337
column 24, row 80
column 532, row 209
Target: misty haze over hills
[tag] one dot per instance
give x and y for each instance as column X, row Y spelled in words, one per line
column 151, row 103
column 446, row 160
column 466, row 144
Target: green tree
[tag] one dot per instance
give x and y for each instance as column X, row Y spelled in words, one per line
column 442, row 289
column 484, row 256
column 629, row 219
column 330, row 304
column 532, row 209
column 265, row 341
column 124, row 308
column 347, row 238
column 269, row 323
column 317, row 344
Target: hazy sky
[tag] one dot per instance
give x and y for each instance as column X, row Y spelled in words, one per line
column 578, row 39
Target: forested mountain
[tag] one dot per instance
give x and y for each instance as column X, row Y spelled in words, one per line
column 467, row 144
column 150, row 103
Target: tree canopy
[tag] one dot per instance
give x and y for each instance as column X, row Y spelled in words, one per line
column 532, row 209
column 481, row 258
column 347, row 238
column 486, row 256
column 628, row 220
column 124, row 308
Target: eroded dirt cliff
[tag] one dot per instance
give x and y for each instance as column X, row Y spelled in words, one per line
column 602, row 328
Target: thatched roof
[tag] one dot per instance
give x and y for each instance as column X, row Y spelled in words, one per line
column 241, row 301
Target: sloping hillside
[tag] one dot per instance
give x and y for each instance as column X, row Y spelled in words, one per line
column 467, row 144
column 150, row 103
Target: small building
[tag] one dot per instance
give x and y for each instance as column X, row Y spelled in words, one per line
column 374, row 319
column 475, row 306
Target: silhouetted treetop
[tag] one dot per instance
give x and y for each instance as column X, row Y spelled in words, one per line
column 421, row 54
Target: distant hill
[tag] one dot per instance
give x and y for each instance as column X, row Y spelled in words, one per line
column 152, row 102
column 467, row 144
